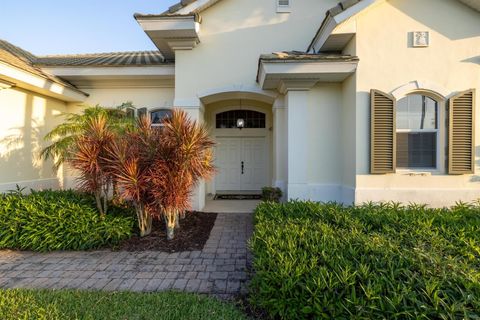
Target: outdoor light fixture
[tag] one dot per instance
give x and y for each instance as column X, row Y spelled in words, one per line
column 240, row 124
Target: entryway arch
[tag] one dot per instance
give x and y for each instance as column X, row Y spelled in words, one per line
column 243, row 153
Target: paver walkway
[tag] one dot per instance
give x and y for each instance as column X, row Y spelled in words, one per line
column 219, row 269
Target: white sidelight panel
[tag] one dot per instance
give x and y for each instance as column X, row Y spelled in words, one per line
column 298, row 139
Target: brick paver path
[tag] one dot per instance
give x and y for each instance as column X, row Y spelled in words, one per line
column 219, row 269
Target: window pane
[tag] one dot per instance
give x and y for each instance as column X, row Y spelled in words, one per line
column 228, row 119
column 158, row 116
column 416, row 150
column 417, row 112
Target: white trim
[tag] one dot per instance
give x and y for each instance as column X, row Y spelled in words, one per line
column 433, row 197
column 170, row 33
column 38, row 184
column 302, row 75
column 40, row 84
column 426, row 87
column 197, row 6
column 164, row 71
column 432, row 91
column 6, row 84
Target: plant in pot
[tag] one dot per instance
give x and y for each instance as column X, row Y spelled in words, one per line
column 272, row 194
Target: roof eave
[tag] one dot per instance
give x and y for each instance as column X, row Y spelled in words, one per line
column 288, row 74
column 22, row 78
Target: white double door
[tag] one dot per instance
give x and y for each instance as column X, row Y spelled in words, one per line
column 241, row 164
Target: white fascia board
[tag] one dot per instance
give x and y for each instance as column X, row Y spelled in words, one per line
column 167, row 32
column 333, row 21
column 35, row 83
column 298, row 70
column 169, row 24
column 117, row 71
column 197, row 6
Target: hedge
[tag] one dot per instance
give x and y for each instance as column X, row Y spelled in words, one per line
column 380, row 261
column 59, row 220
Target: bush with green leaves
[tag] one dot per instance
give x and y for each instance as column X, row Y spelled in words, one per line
column 380, row 261
column 272, row 194
column 59, row 220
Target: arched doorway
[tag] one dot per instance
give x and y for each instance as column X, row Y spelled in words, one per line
column 241, row 158
column 241, row 129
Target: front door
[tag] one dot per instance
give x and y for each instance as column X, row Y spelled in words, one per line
column 241, row 164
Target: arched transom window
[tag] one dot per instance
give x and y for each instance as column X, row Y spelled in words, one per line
column 417, row 132
column 231, row 119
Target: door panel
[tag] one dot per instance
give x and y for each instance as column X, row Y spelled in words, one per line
column 253, row 177
column 230, row 153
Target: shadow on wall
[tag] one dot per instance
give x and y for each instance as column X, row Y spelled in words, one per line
column 474, row 60
column 20, row 146
column 476, row 176
column 441, row 16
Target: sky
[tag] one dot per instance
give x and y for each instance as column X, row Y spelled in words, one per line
column 77, row 26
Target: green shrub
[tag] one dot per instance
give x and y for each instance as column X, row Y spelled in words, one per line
column 370, row 262
column 271, row 194
column 58, row 220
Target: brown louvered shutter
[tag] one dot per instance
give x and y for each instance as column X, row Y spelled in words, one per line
column 461, row 153
column 383, row 133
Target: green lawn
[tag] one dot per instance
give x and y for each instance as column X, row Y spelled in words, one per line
column 41, row 304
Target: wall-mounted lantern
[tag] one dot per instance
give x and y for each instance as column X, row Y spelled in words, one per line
column 240, row 124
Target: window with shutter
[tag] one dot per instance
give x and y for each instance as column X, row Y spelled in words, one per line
column 417, row 132
column 383, row 133
column 461, row 155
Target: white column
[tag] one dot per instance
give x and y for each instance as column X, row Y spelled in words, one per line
column 195, row 110
column 297, row 127
column 280, row 174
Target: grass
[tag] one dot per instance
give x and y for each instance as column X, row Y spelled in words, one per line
column 53, row 305
column 385, row 261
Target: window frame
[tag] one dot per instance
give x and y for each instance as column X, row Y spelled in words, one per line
column 150, row 112
column 441, row 135
column 216, row 116
column 283, row 8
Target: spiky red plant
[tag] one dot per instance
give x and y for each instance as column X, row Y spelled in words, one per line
column 187, row 158
column 157, row 168
column 89, row 151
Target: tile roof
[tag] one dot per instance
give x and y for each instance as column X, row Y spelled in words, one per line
column 111, row 59
column 302, row 56
column 24, row 60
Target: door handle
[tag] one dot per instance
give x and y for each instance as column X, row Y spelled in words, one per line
column 243, row 166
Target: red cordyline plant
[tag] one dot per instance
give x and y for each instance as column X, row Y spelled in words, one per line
column 88, row 153
column 156, row 168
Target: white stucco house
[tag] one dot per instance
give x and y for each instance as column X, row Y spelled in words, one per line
column 363, row 100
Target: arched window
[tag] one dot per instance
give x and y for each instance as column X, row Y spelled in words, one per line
column 417, row 132
column 157, row 116
column 230, row 119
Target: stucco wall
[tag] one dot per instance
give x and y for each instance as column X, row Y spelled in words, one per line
column 151, row 98
column 388, row 61
column 25, row 118
column 234, row 33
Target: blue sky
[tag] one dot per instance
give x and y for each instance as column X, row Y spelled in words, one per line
column 77, row 26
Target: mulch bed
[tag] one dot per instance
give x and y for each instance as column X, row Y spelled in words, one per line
column 193, row 234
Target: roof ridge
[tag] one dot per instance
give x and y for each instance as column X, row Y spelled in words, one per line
column 95, row 54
